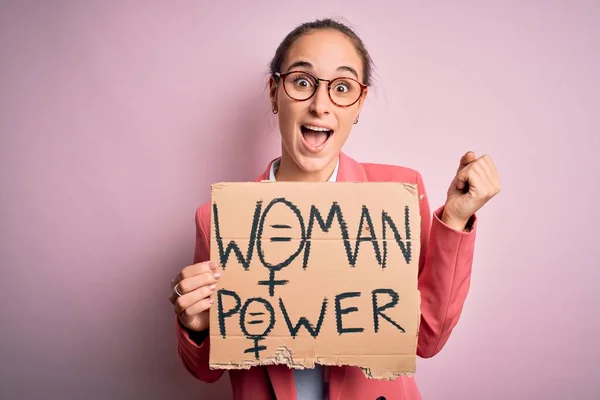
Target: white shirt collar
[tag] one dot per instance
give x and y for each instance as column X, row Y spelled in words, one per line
column 275, row 165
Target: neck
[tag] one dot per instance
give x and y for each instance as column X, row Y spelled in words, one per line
column 289, row 171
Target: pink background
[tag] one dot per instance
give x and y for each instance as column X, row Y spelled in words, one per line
column 115, row 119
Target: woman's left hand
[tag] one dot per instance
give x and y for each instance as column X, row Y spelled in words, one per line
column 475, row 183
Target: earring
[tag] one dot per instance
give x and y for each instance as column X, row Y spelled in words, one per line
column 356, row 122
column 275, row 110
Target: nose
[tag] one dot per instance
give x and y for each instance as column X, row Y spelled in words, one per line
column 320, row 102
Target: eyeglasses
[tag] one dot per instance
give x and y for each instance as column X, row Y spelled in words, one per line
column 301, row 86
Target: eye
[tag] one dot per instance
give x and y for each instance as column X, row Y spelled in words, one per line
column 342, row 87
column 303, row 82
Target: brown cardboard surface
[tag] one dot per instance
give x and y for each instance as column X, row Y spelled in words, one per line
column 297, row 263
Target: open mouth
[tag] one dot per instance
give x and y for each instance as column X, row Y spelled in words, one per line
column 315, row 136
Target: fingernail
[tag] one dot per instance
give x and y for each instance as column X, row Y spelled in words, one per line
column 212, row 265
column 211, row 300
column 217, row 275
column 212, row 287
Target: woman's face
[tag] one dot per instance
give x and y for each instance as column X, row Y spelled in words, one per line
column 326, row 54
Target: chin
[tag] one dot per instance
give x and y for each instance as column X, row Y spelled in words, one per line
column 312, row 163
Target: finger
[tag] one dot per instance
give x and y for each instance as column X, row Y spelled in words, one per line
column 487, row 170
column 481, row 166
column 483, row 187
column 484, row 167
column 193, row 270
column 186, row 301
column 475, row 178
column 469, row 179
column 462, row 178
column 494, row 172
column 196, row 308
column 190, row 284
column 466, row 159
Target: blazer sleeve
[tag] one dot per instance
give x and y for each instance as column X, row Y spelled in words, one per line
column 444, row 275
column 194, row 347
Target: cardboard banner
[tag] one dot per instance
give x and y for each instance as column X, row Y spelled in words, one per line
column 316, row 273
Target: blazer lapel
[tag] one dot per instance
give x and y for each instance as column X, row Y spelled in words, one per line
column 265, row 175
column 350, row 170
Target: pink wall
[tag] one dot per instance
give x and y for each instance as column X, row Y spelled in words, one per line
column 114, row 120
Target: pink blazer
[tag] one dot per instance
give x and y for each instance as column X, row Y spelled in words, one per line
column 444, row 279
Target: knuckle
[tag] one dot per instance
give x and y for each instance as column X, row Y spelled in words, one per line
column 176, row 279
column 190, row 270
column 183, row 286
column 195, row 269
column 179, row 303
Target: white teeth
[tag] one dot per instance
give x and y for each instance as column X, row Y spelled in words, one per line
column 316, row 128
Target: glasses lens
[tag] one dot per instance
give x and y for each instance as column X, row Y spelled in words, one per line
column 345, row 91
column 300, row 85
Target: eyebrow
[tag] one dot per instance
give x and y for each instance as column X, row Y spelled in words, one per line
column 306, row 64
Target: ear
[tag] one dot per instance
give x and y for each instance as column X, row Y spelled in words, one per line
column 361, row 101
column 273, row 91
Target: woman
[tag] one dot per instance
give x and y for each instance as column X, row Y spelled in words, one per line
column 320, row 77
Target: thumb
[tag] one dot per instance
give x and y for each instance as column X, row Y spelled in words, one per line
column 466, row 159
